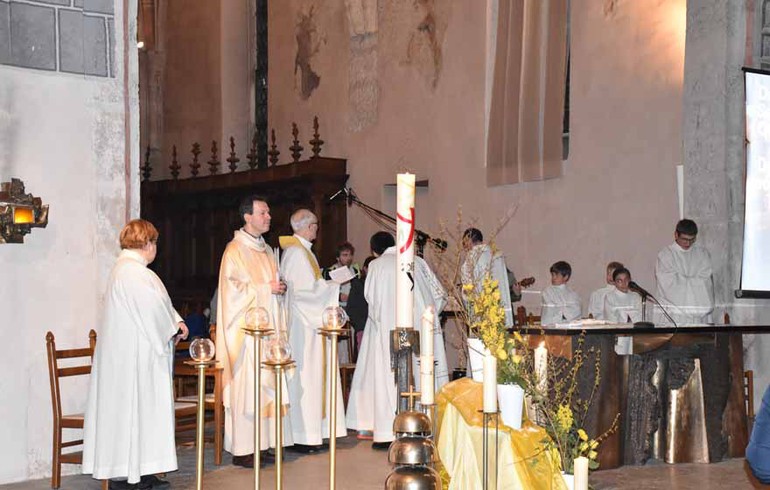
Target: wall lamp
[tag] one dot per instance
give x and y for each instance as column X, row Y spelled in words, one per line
column 19, row 212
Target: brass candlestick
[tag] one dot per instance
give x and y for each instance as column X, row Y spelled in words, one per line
column 201, row 367
column 257, row 334
column 333, row 334
column 278, row 366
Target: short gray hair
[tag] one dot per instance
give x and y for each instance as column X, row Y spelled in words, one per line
column 301, row 219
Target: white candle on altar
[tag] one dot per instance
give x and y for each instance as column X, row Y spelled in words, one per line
column 426, row 334
column 405, row 250
column 490, row 383
column 581, row 473
column 427, row 383
column 541, row 367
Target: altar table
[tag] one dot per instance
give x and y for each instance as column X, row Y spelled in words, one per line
column 522, row 462
column 634, row 387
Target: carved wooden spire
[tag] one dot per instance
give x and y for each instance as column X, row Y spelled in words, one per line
column 146, row 168
column 252, row 154
column 296, row 149
column 195, row 166
column 274, row 152
column 316, row 142
column 214, row 162
column 232, row 159
column 174, row 164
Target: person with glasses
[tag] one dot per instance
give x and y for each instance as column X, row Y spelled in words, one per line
column 684, row 276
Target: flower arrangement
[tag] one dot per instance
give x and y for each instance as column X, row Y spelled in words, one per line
column 487, row 320
column 562, row 413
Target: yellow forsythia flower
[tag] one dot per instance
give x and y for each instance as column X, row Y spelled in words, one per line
column 594, row 444
column 592, row 455
column 564, row 416
column 582, row 434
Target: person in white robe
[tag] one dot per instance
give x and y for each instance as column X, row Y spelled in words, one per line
column 480, row 261
column 308, row 296
column 596, row 301
column 560, row 303
column 128, row 432
column 248, row 278
column 684, row 277
column 622, row 306
column 373, row 401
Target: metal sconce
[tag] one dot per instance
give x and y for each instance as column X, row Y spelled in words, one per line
column 19, row 212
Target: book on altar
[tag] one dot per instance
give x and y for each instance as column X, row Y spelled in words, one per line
column 341, row 275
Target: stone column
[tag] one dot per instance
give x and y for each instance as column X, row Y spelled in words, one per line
column 713, row 158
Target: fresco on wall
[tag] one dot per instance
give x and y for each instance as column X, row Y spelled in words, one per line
column 308, row 45
column 423, row 50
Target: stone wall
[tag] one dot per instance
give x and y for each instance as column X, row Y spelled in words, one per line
column 71, row 139
column 72, row 36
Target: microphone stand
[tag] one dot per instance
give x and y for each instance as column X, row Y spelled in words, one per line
column 421, row 238
column 644, row 323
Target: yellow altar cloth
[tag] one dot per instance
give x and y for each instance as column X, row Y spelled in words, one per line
column 522, row 461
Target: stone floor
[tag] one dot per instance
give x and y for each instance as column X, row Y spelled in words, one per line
column 361, row 468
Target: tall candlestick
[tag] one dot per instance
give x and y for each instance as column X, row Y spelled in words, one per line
column 427, row 382
column 490, row 383
column 541, row 367
column 581, row 473
column 426, row 334
column 405, row 250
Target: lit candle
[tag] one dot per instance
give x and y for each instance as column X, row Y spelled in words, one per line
column 581, row 473
column 541, row 367
column 426, row 334
column 490, row 383
column 405, row 250
column 427, row 386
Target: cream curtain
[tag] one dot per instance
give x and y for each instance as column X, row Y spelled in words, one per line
column 524, row 137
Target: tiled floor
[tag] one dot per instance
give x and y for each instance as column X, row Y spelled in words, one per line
column 361, row 468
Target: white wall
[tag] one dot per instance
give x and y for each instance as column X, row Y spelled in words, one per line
column 66, row 137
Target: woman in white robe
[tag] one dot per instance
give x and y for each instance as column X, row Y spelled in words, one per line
column 129, row 419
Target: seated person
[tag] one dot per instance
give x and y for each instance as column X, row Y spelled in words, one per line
column 596, row 303
column 560, row 303
column 622, row 306
column 758, row 450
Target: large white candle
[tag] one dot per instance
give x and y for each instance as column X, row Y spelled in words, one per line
column 426, row 334
column 581, row 473
column 541, row 367
column 490, row 383
column 405, row 250
column 427, row 383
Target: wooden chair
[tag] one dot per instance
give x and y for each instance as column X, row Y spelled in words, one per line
column 213, row 400
column 60, row 420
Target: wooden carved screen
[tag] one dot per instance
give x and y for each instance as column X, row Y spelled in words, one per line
column 196, row 218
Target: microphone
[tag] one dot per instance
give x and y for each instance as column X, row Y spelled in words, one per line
column 638, row 289
column 334, row 196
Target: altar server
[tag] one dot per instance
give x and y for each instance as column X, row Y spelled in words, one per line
column 129, row 420
column 684, row 276
column 622, row 306
column 248, row 279
column 596, row 301
column 373, row 395
column 560, row 303
column 480, row 261
column 308, row 296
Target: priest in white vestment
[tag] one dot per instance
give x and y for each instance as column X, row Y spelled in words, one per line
column 248, row 278
column 308, row 296
column 684, row 277
column 479, row 261
column 596, row 301
column 373, row 401
column 622, row 306
column 560, row 303
column 129, row 420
